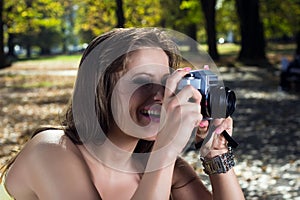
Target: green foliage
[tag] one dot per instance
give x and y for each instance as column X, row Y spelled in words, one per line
column 94, row 17
column 191, row 10
column 142, row 13
column 35, row 22
column 180, row 14
column 48, row 23
column 22, row 17
column 98, row 16
column 227, row 19
column 280, row 18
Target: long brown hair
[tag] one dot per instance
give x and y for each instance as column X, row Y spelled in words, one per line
column 129, row 40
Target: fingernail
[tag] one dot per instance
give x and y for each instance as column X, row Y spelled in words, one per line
column 201, row 124
column 187, row 69
column 206, row 67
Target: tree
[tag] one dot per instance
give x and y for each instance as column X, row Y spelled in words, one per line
column 68, row 24
column 27, row 20
column 142, row 13
column 2, row 57
column 208, row 8
column 252, row 34
column 227, row 21
column 298, row 43
column 281, row 19
column 120, row 14
column 184, row 16
column 94, row 18
column 190, row 20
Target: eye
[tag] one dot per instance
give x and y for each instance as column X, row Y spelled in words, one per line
column 141, row 81
column 164, row 80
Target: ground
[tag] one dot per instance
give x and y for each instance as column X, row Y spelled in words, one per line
column 266, row 121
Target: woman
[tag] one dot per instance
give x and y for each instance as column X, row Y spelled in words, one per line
column 124, row 130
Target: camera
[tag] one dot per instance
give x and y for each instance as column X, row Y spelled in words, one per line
column 217, row 101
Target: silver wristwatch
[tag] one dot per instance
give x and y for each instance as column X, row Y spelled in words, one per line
column 218, row 164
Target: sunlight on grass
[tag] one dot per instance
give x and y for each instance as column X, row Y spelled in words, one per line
column 223, row 49
column 43, row 84
column 60, row 58
column 228, row 48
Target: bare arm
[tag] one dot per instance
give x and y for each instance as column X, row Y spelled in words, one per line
column 226, row 186
column 187, row 184
column 178, row 119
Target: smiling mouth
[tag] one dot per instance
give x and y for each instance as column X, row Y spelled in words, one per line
column 151, row 113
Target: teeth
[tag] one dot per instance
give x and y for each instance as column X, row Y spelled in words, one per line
column 151, row 112
column 154, row 112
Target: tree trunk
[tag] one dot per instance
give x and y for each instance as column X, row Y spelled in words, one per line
column 28, row 50
column 192, row 32
column 252, row 34
column 2, row 57
column 11, row 45
column 120, row 14
column 298, row 43
column 45, row 51
column 208, row 7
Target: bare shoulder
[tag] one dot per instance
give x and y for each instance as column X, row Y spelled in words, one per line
column 49, row 165
column 48, row 146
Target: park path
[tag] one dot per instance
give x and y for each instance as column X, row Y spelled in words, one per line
column 267, row 123
column 52, row 68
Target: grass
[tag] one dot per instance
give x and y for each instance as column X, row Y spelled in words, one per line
column 228, row 49
column 66, row 57
column 43, row 84
column 228, row 52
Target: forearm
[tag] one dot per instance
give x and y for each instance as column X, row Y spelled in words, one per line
column 226, row 186
column 156, row 182
column 155, row 185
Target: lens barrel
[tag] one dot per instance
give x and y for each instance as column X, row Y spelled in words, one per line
column 220, row 102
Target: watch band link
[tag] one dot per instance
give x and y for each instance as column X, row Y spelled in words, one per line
column 218, row 164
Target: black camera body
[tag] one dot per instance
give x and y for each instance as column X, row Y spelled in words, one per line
column 217, row 101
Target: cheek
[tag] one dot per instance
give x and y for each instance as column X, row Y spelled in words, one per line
column 138, row 98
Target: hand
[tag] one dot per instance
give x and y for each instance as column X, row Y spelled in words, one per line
column 179, row 115
column 217, row 144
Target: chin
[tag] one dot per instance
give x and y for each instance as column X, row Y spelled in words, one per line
column 153, row 138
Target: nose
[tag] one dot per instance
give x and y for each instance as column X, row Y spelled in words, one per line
column 158, row 93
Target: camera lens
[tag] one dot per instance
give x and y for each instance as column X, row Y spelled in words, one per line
column 231, row 101
column 220, row 103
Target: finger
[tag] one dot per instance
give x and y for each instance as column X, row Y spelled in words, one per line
column 217, row 122
column 226, row 124
column 190, row 114
column 189, row 93
column 219, row 142
column 173, row 79
column 206, row 67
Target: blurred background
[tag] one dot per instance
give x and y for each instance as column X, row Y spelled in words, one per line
column 252, row 42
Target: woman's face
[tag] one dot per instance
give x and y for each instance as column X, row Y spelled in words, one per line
column 140, row 93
